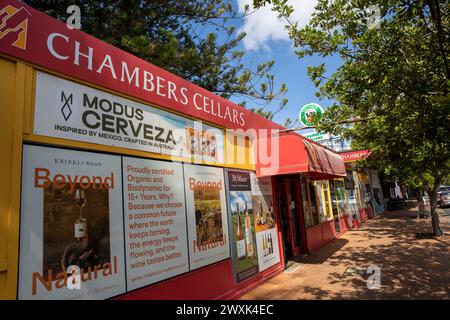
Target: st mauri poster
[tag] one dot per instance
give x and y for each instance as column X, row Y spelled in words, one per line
column 206, row 210
column 245, row 255
column 71, row 232
column 266, row 231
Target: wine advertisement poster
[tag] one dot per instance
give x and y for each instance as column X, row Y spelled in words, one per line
column 245, row 255
column 71, row 237
column 207, row 222
column 205, row 143
column 155, row 221
column 266, row 232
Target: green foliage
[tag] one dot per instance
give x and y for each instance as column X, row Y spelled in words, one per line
column 179, row 36
column 446, row 180
column 392, row 90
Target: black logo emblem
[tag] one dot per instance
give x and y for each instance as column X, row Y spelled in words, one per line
column 67, row 101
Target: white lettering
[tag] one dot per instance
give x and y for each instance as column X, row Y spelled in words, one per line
column 172, row 88
column 50, row 47
column 126, row 72
column 185, row 99
column 159, row 86
column 206, row 104
column 148, row 79
column 78, row 54
column 107, row 62
column 195, row 101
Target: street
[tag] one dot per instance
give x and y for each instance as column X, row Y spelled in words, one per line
column 410, row 268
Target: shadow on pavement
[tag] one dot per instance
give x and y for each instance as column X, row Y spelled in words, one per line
column 410, row 268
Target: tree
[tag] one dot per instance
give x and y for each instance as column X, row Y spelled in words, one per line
column 393, row 84
column 180, row 36
column 446, row 180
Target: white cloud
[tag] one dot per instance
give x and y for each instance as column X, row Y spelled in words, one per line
column 264, row 25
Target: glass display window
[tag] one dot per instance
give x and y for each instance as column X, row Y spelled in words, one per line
column 305, row 202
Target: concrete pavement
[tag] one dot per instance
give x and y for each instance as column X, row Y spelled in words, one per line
column 410, row 268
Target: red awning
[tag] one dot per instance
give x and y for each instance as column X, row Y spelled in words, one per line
column 298, row 155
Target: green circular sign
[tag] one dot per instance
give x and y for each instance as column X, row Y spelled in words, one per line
column 308, row 111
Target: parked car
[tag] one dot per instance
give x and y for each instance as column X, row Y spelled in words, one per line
column 444, row 198
column 440, row 190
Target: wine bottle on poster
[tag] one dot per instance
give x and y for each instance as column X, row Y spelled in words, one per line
column 248, row 234
column 240, row 240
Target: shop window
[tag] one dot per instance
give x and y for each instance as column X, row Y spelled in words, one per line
column 341, row 197
column 324, row 201
column 313, row 201
column 321, row 201
column 365, row 191
column 359, row 191
column 327, row 200
column 352, row 194
column 315, row 192
column 305, row 202
column 334, row 198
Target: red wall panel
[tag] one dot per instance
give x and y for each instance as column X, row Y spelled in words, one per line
column 211, row 282
column 328, row 231
column 314, row 237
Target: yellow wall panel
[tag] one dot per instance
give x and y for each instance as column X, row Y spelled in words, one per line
column 7, row 87
column 12, row 91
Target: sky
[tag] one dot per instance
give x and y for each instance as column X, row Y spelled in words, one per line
column 242, row 198
column 268, row 40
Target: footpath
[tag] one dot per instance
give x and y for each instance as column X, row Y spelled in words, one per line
column 410, row 268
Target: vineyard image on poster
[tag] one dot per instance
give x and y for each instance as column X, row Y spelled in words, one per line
column 206, row 215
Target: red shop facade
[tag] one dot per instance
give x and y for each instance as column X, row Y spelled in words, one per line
column 73, row 104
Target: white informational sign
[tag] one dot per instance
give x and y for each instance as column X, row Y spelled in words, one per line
column 68, row 110
column 268, row 253
column 317, row 136
column 261, row 186
column 155, row 221
column 374, row 179
column 71, row 233
column 207, row 221
column 266, row 231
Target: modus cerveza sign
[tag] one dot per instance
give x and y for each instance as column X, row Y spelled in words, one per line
column 68, row 110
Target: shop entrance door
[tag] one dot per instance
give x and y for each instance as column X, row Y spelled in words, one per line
column 291, row 213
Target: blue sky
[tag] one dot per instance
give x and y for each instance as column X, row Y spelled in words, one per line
column 241, row 197
column 267, row 40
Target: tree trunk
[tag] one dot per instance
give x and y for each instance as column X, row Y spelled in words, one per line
column 434, row 213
